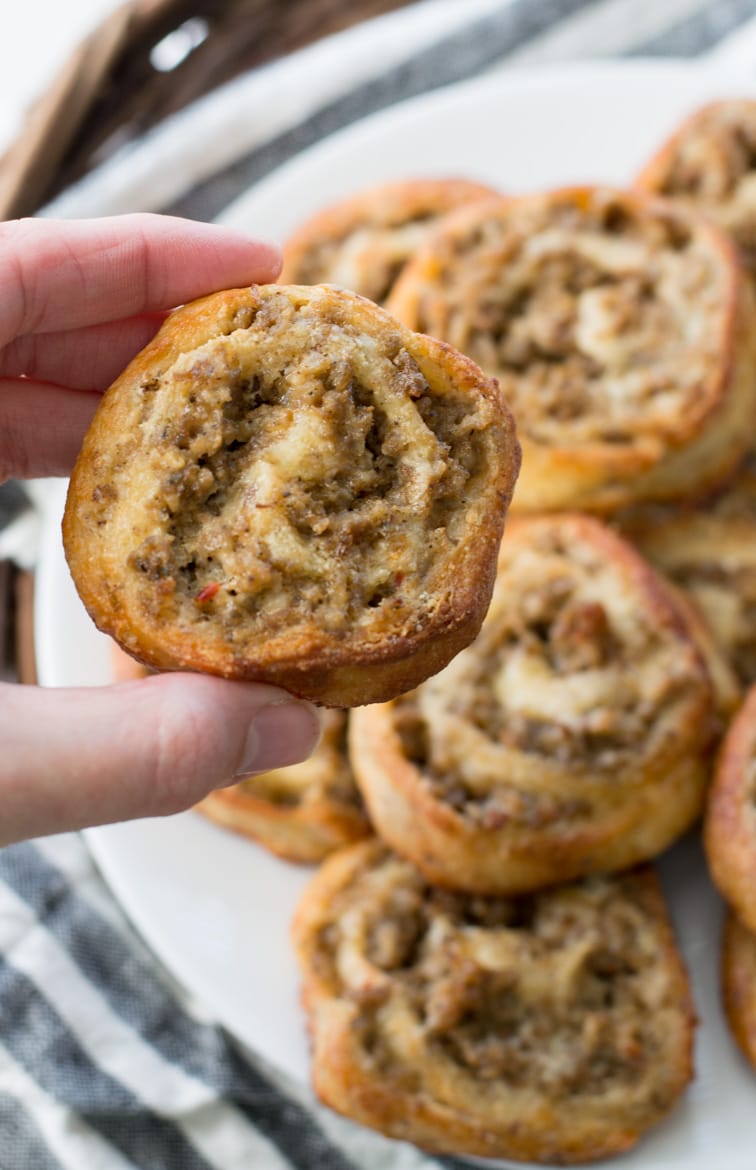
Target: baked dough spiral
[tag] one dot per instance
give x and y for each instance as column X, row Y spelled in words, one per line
column 621, row 331
column 570, row 737
column 288, row 486
column 709, row 164
column 303, row 812
column 730, row 820
column 551, row 1028
column 710, row 553
column 739, row 984
column 364, row 242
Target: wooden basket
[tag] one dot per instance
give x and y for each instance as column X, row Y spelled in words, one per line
column 146, row 61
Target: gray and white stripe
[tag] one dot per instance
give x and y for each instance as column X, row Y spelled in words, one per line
column 124, row 1049
column 104, row 1063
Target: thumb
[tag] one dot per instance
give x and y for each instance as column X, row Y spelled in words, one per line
column 90, row 756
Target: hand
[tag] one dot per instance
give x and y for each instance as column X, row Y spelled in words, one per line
column 78, row 299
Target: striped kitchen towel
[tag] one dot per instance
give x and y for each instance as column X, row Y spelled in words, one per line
column 105, row 1064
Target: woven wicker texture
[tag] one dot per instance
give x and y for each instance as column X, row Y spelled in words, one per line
column 111, row 90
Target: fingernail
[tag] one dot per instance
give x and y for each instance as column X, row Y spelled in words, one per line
column 269, row 253
column 280, row 734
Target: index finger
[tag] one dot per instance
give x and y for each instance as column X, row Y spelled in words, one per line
column 64, row 274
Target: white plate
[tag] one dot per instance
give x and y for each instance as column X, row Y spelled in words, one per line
column 215, row 908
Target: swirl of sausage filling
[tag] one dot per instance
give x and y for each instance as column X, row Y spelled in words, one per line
column 288, row 486
column 709, row 164
column 555, row 1027
column 364, row 242
column 620, row 328
column 570, row 738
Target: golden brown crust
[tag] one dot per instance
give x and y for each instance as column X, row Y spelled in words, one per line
column 287, row 486
column 555, row 1028
column 621, row 331
column 571, row 737
column 364, row 242
column 730, row 821
column 303, row 812
column 727, row 692
column 710, row 553
column 739, row 984
column 709, row 164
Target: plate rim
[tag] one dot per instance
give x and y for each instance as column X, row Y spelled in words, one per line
column 526, row 78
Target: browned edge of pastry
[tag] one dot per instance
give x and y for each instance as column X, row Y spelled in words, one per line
column 304, row 834
column 614, row 816
column 695, row 451
column 386, row 1058
column 730, row 821
column 726, row 688
column 708, row 549
column 383, row 650
column 738, row 977
column 372, row 214
column 707, row 163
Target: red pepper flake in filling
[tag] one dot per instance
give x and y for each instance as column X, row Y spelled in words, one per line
column 207, row 592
